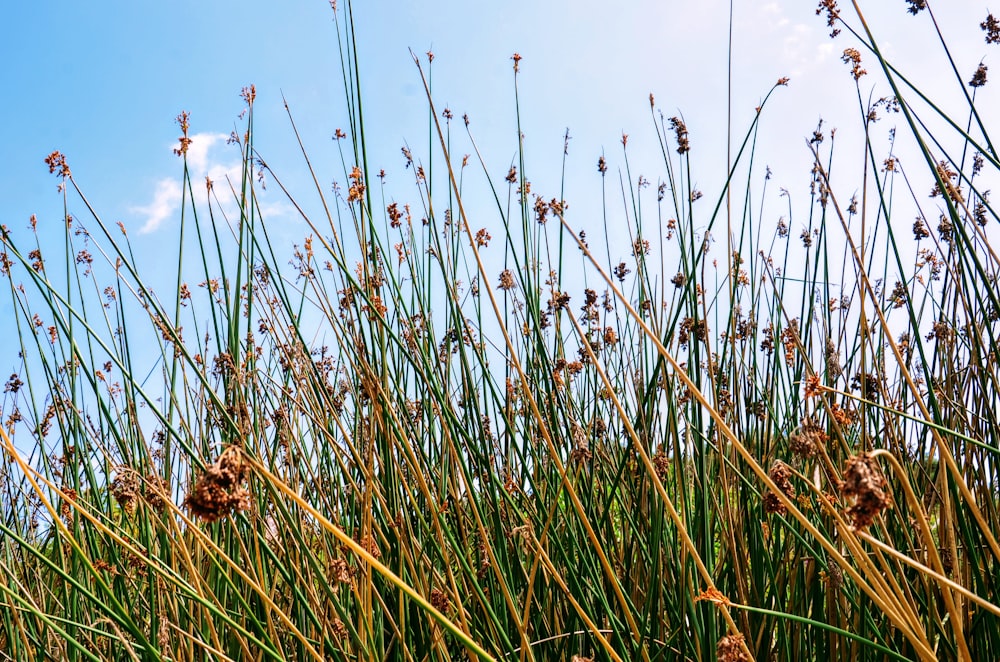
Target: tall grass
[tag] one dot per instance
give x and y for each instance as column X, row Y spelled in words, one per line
column 433, row 437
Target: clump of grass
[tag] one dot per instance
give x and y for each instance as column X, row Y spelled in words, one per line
column 507, row 446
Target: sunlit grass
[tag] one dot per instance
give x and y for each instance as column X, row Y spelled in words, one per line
column 418, row 435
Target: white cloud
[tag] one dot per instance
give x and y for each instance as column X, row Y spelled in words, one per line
column 208, row 156
column 166, row 200
column 197, row 155
column 202, row 162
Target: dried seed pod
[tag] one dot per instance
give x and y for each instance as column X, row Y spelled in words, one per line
column 220, row 489
column 864, row 483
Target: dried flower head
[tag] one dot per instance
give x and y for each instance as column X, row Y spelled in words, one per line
column 125, row 489
column 713, row 595
column 813, row 386
column 834, row 575
column 156, row 492
column 806, row 439
column 440, row 600
column 248, row 94
column 681, row 132
column 559, row 301
column 864, row 484
column 610, row 337
column 832, row 15
column 979, row 78
column 395, row 216
column 916, row 6
column 506, row 279
column 991, row 26
column 220, row 489
column 339, row 571
column 184, row 121
column 790, row 341
column 730, row 649
column 780, row 473
column 357, row 189
column 833, row 368
column 56, row 161
column 852, row 57
column 581, row 453
column 806, row 238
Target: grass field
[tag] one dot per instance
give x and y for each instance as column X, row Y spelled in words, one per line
column 751, row 439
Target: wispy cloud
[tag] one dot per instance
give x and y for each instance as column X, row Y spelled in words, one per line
column 166, row 200
column 197, row 155
column 203, row 162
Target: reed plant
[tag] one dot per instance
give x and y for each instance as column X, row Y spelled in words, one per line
column 421, row 433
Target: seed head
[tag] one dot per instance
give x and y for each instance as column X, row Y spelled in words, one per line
column 991, row 26
column 56, row 161
column 864, row 484
column 979, row 78
column 681, row 133
column 852, row 57
column 832, row 15
column 730, row 649
column 506, row 279
column 220, row 489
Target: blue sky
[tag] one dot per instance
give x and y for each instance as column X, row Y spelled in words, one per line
column 102, row 82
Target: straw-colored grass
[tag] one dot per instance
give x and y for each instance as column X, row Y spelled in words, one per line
column 507, row 446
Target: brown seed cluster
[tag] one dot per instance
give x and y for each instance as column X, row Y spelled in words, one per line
column 156, row 492
column 780, row 473
column 220, row 489
column 790, row 341
column 832, row 15
column 184, row 121
column 832, row 356
column 730, row 649
column 991, row 26
column 125, row 490
column 979, row 78
column 356, row 192
column 440, row 600
column 834, row 576
column 807, row 439
column 339, row 571
column 506, row 279
column 681, row 133
column 863, row 482
column 56, row 161
column 691, row 326
column 661, row 464
column 813, row 386
column 852, row 57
